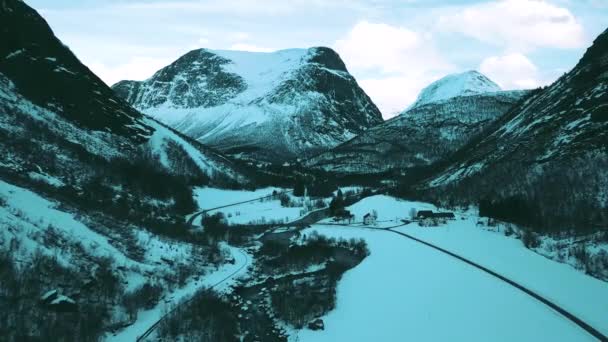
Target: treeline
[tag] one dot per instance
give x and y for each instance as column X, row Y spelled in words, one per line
column 315, row 249
column 139, row 191
column 23, row 317
column 299, row 302
column 554, row 197
column 133, row 188
column 207, row 317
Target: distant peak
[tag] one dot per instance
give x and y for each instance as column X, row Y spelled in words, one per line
column 470, row 82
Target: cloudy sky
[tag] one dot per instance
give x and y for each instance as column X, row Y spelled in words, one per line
column 393, row 47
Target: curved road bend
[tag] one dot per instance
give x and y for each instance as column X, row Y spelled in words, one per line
column 153, row 327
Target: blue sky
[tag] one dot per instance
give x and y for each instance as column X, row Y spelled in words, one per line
column 393, row 47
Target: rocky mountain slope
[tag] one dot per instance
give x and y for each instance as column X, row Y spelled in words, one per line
column 446, row 115
column 93, row 194
column 544, row 163
column 42, row 82
column 273, row 106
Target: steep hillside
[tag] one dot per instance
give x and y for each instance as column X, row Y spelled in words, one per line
column 423, row 134
column 93, row 194
column 544, row 163
column 43, row 82
column 273, row 106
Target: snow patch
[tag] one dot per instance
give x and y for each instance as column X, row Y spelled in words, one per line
column 463, row 84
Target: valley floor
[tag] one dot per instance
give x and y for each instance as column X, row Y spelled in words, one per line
column 258, row 208
column 408, row 291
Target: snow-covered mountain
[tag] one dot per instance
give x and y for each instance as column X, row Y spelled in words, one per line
column 463, row 84
column 447, row 114
column 272, row 106
column 42, row 82
column 544, row 163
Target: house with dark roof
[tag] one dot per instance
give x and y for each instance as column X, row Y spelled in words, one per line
column 369, row 219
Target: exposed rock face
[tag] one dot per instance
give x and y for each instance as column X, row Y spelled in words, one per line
column 50, row 97
column 274, row 106
column 48, row 74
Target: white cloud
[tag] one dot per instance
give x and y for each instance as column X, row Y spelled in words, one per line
column 250, row 7
column 517, row 24
column 203, row 41
column 391, row 63
column 250, row 47
column 512, row 71
column 393, row 94
column 136, row 68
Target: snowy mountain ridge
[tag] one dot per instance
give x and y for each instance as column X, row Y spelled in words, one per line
column 440, row 123
column 462, row 84
column 273, row 106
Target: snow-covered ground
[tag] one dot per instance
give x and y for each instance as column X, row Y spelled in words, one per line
column 26, row 217
column 261, row 71
column 30, row 223
column 208, row 198
column 453, row 85
column 582, row 295
column 219, row 280
column 262, row 211
column 408, row 291
column 163, row 136
column 389, row 209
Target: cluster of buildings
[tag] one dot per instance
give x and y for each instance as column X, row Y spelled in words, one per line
column 428, row 218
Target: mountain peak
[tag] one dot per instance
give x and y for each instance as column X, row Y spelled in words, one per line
column 272, row 105
column 471, row 82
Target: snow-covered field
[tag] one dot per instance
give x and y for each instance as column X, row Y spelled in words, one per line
column 262, row 211
column 408, row 291
column 578, row 293
column 388, row 208
column 405, row 291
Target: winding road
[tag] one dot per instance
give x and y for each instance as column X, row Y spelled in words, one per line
column 245, row 261
column 308, row 220
column 190, row 220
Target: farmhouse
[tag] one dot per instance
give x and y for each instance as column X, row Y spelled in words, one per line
column 369, row 219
